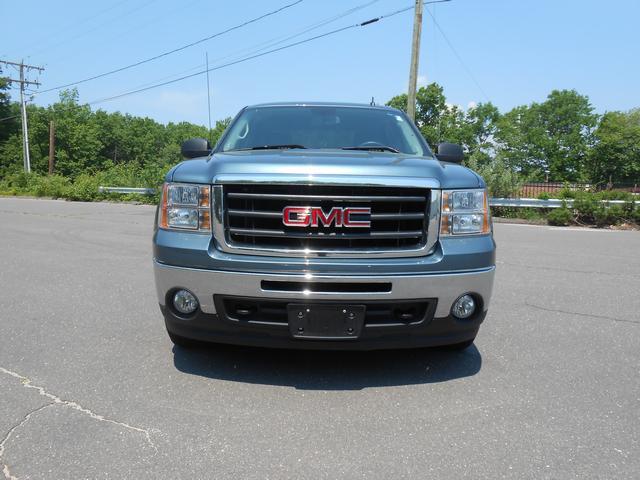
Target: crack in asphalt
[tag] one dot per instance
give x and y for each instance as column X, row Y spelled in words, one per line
column 55, row 400
column 590, row 315
column 25, row 419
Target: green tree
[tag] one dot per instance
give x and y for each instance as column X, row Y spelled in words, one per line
column 438, row 121
column 502, row 180
column 9, row 123
column 480, row 128
column 78, row 136
column 552, row 137
column 616, row 154
column 89, row 141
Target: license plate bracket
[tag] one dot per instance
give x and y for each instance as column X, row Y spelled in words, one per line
column 325, row 321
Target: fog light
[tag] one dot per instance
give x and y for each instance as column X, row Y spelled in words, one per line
column 185, row 302
column 463, row 307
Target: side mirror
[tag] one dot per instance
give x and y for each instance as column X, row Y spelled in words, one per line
column 450, row 152
column 195, row 147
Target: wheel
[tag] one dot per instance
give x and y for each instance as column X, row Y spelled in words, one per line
column 459, row 346
column 182, row 341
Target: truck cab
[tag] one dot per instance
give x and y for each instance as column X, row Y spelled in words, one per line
column 323, row 226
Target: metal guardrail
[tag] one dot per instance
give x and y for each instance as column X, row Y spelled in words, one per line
column 141, row 191
column 494, row 202
column 527, row 203
column 540, row 203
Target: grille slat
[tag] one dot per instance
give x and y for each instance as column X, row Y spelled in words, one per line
column 253, row 218
column 374, row 216
column 332, row 198
column 322, row 235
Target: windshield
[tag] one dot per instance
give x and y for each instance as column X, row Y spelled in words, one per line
column 324, row 127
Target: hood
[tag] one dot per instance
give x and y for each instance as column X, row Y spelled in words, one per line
column 324, row 162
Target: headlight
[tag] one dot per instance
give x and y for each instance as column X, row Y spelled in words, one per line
column 465, row 212
column 186, row 207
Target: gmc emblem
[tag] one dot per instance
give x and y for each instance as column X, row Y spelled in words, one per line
column 314, row 216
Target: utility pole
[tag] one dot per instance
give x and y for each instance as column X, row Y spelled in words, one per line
column 52, row 146
column 415, row 54
column 23, row 106
column 208, row 95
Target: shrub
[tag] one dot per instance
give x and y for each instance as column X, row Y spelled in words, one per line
column 560, row 217
column 20, row 182
column 615, row 195
column 501, row 180
column 567, row 193
column 84, row 188
column 591, row 210
column 606, row 216
column 50, row 186
column 586, row 206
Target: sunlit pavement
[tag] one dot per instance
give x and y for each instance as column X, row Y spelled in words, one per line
column 91, row 387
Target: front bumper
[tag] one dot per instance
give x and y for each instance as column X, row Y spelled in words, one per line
column 438, row 328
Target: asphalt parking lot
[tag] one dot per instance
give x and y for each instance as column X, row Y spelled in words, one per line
column 91, row 387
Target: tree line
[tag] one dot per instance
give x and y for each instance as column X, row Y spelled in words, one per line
column 89, row 141
column 561, row 139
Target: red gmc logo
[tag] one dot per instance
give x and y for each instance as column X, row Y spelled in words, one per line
column 315, row 216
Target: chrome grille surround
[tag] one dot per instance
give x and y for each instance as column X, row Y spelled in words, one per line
column 223, row 235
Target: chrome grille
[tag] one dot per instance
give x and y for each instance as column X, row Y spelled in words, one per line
column 252, row 219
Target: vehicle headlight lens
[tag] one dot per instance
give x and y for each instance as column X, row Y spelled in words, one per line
column 182, row 217
column 186, row 207
column 183, row 194
column 465, row 212
column 472, row 200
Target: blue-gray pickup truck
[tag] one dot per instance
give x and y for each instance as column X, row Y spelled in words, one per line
column 323, row 226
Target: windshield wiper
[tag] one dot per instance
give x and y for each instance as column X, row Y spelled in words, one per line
column 269, row 147
column 380, row 148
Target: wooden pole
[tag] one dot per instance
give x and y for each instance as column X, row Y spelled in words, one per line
column 210, row 136
column 415, row 54
column 52, row 146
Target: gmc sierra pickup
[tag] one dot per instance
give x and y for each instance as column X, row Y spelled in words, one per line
column 323, row 226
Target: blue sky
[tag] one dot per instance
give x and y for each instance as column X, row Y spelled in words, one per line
column 517, row 51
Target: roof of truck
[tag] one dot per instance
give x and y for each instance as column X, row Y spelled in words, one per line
column 320, row 104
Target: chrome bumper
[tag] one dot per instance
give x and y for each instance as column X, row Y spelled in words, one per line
column 446, row 287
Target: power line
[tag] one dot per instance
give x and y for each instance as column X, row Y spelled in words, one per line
column 137, row 27
column 8, row 118
column 91, row 30
column 175, row 50
column 173, row 75
column 282, row 39
column 81, row 21
column 455, row 52
column 235, row 62
column 262, row 45
column 251, row 57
